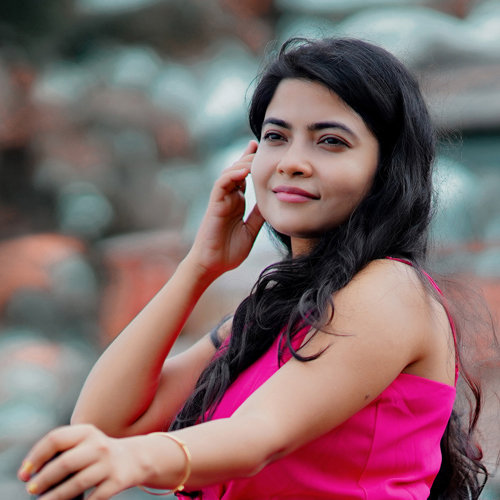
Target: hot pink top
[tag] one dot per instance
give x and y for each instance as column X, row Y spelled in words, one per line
column 388, row 450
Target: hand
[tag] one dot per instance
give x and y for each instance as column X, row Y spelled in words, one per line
column 94, row 459
column 224, row 239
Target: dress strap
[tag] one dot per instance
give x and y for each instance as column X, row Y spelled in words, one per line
column 445, row 305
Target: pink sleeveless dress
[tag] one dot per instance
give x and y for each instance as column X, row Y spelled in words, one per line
column 388, row 450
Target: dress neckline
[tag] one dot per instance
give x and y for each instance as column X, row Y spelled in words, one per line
column 442, row 384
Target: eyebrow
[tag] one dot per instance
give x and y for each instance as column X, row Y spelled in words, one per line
column 313, row 127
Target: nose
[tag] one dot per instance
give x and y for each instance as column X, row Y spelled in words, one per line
column 295, row 162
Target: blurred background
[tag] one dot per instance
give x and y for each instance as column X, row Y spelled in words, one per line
column 116, row 116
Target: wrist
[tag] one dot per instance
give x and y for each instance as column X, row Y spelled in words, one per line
column 202, row 275
column 163, row 461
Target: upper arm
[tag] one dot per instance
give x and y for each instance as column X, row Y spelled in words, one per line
column 379, row 328
column 178, row 379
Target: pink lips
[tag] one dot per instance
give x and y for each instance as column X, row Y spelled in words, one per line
column 293, row 195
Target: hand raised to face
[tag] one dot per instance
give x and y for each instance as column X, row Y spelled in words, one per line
column 225, row 239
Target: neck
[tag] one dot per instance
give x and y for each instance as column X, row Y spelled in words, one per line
column 302, row 246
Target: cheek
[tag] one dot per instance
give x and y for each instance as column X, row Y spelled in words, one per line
column 360, row 180
column 259, row 177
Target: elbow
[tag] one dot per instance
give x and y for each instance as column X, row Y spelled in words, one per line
column 79, row 418
column 267, row 447
column 256, row 465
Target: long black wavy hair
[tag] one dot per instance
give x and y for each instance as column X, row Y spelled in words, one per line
column 392, row 220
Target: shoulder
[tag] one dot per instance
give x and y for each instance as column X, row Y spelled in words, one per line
column 378, row 328
column 384, row 285
column 385, row 306
column 386, row 275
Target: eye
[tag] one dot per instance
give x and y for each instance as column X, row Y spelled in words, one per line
column 334, row 141
column 273, row 137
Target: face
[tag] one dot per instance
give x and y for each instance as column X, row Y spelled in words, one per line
column 315, row 162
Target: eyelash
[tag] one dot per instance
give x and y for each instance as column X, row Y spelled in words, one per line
column 277, row 137
column 267, row 137
column 338, row 142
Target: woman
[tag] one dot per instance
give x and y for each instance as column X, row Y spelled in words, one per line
column 336, row 376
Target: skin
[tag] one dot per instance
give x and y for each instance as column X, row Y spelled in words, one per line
column 321, row 146
column 392, row 326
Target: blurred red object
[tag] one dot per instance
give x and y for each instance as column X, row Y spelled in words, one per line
column 248, row 9
column 25, row 262
column 137, row 266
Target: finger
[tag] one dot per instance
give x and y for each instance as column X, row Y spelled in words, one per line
column 57, row 470
column 250, row 149
column 254, row 221
column 241, row 186
column 79, row 483
column 229, row 183
column 245, row 162
column 246, row 157
column 58, row 440
column 107, row 489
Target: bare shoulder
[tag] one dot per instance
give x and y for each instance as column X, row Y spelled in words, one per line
column 384, row 286
column 380, row 327
column 386, row 276
column 385, row 306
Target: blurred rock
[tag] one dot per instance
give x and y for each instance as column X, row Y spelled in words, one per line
column 137, row 266
column 74, row 286
column 113, row 6
column 26, row 262
column 177, row 90
column 185, row 180
column 338, row 7
column 226, row 77
column 487, row 263
column 137, row 67
column 35, row 308
column 39, row 383
column 458, row 193
column 84, row 212
column 64, row 82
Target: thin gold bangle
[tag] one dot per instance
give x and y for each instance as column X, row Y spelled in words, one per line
column 182, row 444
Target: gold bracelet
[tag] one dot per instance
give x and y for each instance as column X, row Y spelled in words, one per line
column 182, row 444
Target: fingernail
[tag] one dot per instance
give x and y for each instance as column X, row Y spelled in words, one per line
column 32, row 488
column 27, row 468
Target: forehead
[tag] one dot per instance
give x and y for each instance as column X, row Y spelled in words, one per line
column 302, row 101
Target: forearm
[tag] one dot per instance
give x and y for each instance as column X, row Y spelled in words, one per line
column 123, row 382
column 221, row 450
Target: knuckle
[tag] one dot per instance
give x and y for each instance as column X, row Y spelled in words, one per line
column 53, row 495
column 53, row 438
column 102, row 448
column 80, row 483
column 64, row 465
column 100, row 496
column 89, row 428
column 120, row 481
